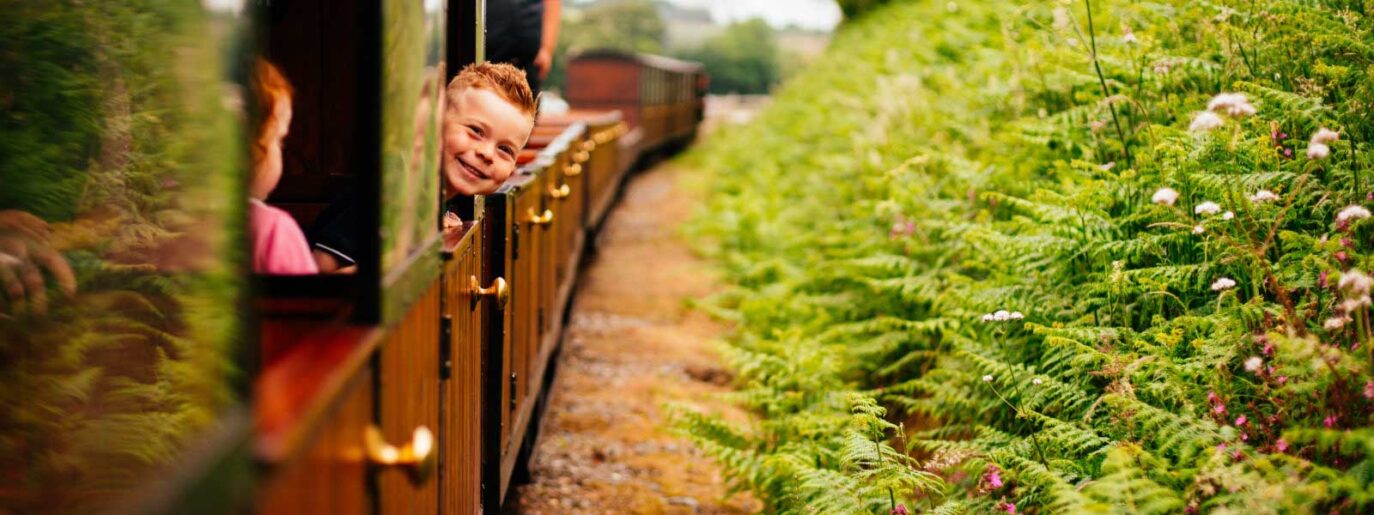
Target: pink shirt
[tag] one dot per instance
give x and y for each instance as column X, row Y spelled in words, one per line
column 279, row 246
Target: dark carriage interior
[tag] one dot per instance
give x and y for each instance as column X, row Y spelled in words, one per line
column 328, row 53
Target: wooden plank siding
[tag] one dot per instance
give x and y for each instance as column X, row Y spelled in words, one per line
column 408, row 391
column 461, row 482
column 330, row 476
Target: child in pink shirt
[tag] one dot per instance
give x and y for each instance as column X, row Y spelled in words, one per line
column 279, row 246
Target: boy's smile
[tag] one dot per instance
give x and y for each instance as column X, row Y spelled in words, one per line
column 483, row 135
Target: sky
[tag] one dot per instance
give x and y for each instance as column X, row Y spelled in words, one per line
column 814, row 14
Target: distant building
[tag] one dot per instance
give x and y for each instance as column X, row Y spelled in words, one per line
column 686, row 27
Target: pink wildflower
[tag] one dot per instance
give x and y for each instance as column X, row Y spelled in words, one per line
column 1329, row 421
column 993, row 477
column 1219, row 408
column 1369, row 389
column 1282, row 380
column 1281, row 445
column 1007, row 507
column 899, row 510
column 1212, row 397
column 1241, row 420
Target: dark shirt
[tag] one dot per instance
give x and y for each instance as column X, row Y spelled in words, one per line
column 514, row 32
column 336, row 229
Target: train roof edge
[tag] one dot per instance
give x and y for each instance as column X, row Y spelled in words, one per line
column 656, row 61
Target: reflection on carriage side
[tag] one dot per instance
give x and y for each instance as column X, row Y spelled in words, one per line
column 119, row 167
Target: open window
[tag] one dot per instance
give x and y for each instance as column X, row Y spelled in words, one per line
column 360, row 163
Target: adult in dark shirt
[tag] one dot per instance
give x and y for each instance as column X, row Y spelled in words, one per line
column 523, row 33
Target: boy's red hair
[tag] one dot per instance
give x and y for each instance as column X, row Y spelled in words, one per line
column 505, row 80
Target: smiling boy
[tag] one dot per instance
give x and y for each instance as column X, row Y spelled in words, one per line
column 487, row 121
column 488, row 117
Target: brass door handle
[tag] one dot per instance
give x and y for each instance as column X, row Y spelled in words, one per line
column 572, row 170
column 418, row 456
column 589, row 145
column 540, row 219
column 581, row 156
column 498, row 289
column 560, row 192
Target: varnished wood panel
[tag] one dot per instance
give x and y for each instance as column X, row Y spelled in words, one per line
column 461, row 441
column 408, row 388
column 530, row 269
column 331, row 475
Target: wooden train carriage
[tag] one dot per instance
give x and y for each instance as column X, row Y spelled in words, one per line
column 660, row 98
column 604, row 163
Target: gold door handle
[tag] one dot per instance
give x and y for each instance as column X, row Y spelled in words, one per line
column 589, row 145
column 538, row 219
column 498, row 289
column 560, row 192
column 572, row 170
column 581, row 156
column 418, row 456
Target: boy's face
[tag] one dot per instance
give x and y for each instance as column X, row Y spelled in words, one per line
column 483, row 134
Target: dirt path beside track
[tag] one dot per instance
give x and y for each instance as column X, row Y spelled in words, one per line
column 633, row 345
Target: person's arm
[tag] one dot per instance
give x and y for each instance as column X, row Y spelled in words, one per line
column 553, row 12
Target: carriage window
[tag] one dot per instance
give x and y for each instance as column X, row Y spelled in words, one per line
column 120, row 171
column 309, row 230
column 361, row 157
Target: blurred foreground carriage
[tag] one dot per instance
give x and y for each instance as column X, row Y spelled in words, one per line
column 414, row 385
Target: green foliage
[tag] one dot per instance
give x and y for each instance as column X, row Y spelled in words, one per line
column 115, row 131
column 949, row 160
column 853, row 8
column 744, row 58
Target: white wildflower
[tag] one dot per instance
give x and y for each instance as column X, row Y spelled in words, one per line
column 1352, row 213
column 1036, row 381
column 1205, row 121
column 1228, row 215
column 1223, row 284
column 1318, row 150
column 1165, row 196
column 1335, row 323
column 987, row 378
column 1232, row 104
column 1061, row 18
column 1264, row 196
column 1199, row 229
column 987, row 317
column 1001, row 315
column 1015, row 315
column 1253, row 364
column 1129, row 38
column 1349, row 306
column 1356, row 282
column 1325, row 136
column 1207, row 208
